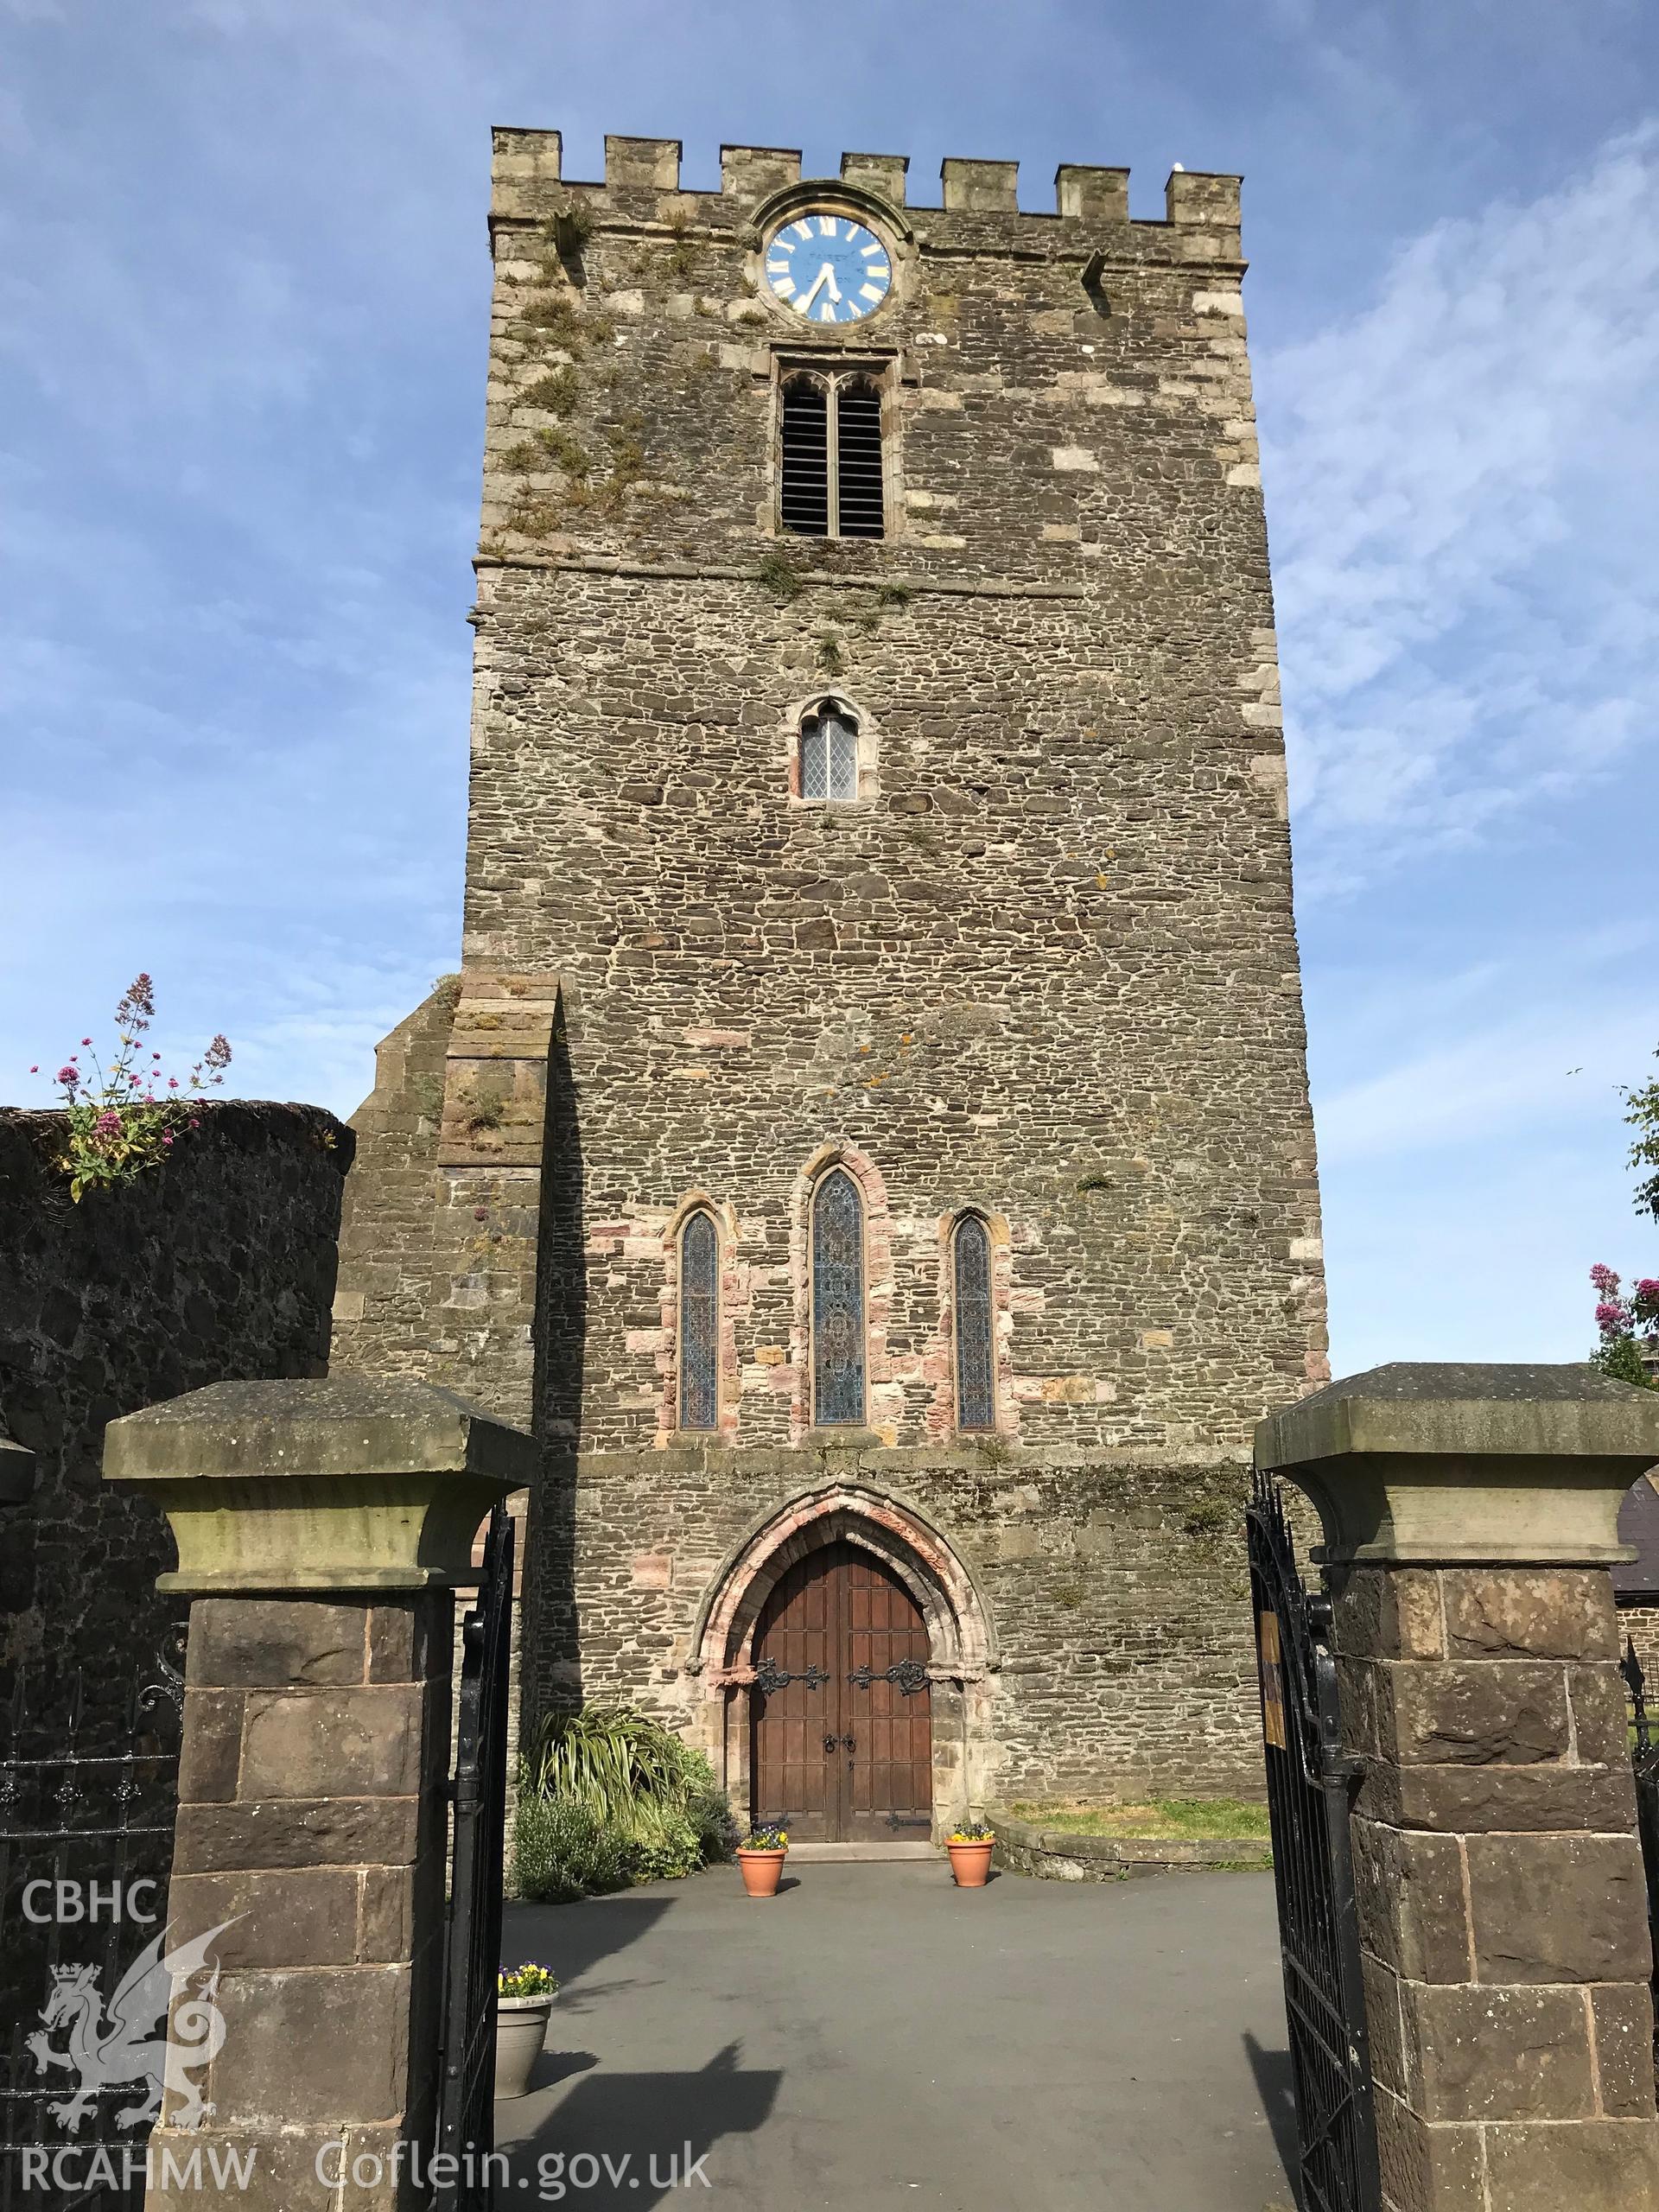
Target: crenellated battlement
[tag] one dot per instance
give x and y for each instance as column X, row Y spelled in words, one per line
column 527, row 163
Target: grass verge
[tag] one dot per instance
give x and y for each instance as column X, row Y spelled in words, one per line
column 1182, row 1819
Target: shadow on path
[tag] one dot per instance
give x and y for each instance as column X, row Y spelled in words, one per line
column 634, row 2140
column 573, row 1938
column 1276, row 2082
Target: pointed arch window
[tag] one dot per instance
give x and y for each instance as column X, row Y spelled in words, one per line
column 839, row 1334
column 699, row 1322
column 829, row 753
column 973, row 1307
column 832, row 473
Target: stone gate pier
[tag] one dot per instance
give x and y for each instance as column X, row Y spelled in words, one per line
column 1470, row 1519
column 322, row 1527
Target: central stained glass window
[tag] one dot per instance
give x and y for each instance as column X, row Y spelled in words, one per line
column 838, row 1303
column 699, row 1323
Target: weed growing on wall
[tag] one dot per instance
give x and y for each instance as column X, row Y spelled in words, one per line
column 121, row 1122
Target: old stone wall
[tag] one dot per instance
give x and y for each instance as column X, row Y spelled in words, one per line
column 1043, row 966
column 218, row 1266
column 1114, row 1587
column 1639, row 1625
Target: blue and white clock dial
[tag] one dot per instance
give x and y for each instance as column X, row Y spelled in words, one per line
column 828, row 268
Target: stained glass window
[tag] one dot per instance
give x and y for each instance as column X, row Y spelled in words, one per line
column 829, row 755
column 838, row 1302
column 976, row 1380
column 699, row 1323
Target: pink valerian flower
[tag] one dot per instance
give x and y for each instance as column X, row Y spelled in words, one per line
column 1613, row 1320
column 1647, row 1290
column 1605, row 1280
column 124, row 1117
column 137, row 1006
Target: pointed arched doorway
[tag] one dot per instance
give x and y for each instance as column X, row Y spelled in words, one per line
column 842, row 1705
column 838, row 1579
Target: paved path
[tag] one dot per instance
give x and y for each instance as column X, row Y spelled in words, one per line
column 876, row 2038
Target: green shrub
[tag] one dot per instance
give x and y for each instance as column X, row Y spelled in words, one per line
column 614, row 1798
column 562, row 1851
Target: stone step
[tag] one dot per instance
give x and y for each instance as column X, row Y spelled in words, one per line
column 847, row 1853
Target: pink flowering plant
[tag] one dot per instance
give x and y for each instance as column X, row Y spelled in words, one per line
column 1627, row 1323
column 125, row 1119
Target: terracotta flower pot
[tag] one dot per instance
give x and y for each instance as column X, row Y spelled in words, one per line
column 520, row 2032
column 761, row 1871
column 970, row 1863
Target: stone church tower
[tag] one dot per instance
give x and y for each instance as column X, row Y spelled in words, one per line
column 868, row 1135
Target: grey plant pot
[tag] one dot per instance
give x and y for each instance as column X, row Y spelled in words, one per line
column 520, row 2032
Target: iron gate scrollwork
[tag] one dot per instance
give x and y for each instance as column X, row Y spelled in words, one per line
column 473, row 1934
column 88, row 1800
column 1309, row 1794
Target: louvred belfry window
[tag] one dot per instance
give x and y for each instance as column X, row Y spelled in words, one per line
column 806, row 458
column 832, row 479
column 975, row 1374
column 699, row 1323
column 837, row 1303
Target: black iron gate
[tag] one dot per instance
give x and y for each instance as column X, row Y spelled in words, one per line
column 1309, row 1783
column 88, row 1800
column 1644, row 1757
column 472, row 1935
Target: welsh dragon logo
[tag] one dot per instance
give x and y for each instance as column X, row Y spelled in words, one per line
column 132, row 2044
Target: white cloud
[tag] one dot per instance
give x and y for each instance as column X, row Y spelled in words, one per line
column 1494, row 1081
column 1462, row 481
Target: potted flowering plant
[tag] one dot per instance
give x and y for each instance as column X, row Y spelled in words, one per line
column 523, row 2004
column 760, row 1859
column 970, row 1846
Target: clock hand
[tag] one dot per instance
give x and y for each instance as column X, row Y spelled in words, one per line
column 824, row 276
column 834, row 289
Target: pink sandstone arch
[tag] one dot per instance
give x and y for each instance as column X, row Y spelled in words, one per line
column 959, row 1629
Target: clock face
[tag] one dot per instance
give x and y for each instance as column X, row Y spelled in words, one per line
column 828, row 268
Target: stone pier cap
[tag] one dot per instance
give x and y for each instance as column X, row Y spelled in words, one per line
column 343, row 1485
column 1431, row 1463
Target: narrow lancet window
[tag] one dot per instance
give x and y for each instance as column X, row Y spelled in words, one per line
column 829, row 754
column 975, row 1372
column 837, row 1303
column 699, row 1323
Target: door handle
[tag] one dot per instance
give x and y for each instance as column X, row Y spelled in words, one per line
column 828, row 1743
column 848, row 1745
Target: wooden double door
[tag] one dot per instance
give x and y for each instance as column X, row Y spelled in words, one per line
column 842, row 1748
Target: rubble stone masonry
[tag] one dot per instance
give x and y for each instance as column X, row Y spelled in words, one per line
column 1044, row 966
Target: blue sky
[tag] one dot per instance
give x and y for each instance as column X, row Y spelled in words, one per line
column 242, row 290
